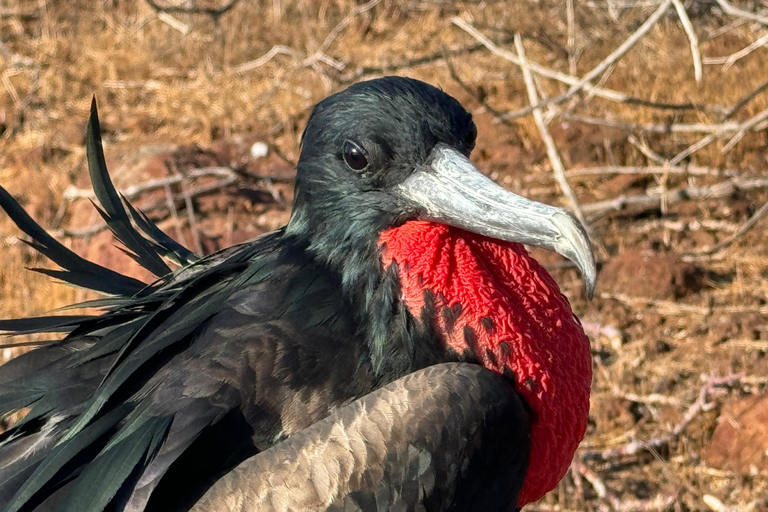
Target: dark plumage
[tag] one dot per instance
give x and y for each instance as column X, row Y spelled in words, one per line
column 417, row 451
column 146, row 405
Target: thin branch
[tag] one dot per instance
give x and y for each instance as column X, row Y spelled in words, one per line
column 171, row 205
column 735, row 11
column 725, row 127
column 682, row 170
column 749, row 224
column 732, row 59
column 334, row 34
column 704, row 142
column 554, row 157
column 746, row 126
column 693, row 40
column 276, row 50
column 746, row 99
column 601, row 92
column 192, row 217
column 656, row 444
column 645, row 150
column 174, row 23
column 603, row 66
column 653, row 200
column 134, row 191
column 668, row 307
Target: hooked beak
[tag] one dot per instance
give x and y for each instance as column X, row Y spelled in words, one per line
column 451, row 190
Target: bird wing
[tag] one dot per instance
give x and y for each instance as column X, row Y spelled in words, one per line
column 452, row 436
column 132, row 393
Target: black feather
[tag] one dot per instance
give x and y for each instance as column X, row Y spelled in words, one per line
column 171, row 249
column 43, row 324
column 113, row 211
column 98, row 484
column 97, row 277
column 62, row 454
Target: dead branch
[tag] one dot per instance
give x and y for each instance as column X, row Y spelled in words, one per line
column 735, row 11
column 601, row 92
column 726, row 127
column 730, row 60
column 749, row 224
column 652, row 226
column 602, row 67
column 746, row 99
column 691, row 170
column 656, row 444
column 192, row 218
column 668, row 307
column 694, row 41
column 159, row 205
column 745, row 127
column 276, row 50
column 334, row 34
column 653, row 200
column 227, row 176
column 554, row 157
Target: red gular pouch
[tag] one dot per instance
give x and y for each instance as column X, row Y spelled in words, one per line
column 495, row 302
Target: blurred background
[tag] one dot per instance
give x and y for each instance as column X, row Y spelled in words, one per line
column 648, row 118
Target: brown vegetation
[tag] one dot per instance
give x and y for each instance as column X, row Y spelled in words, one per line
column 668, row 170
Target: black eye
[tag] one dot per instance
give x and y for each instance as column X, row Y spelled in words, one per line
column 354, row 156
column 471, row 139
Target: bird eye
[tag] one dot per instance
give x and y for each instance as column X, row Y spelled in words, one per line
column 471, row 139
column 354, row 156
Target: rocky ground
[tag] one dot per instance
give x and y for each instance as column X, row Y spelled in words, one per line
column 203, row 104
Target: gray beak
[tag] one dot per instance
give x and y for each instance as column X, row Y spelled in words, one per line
column 451, row 190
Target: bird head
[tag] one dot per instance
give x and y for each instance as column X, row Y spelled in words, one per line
column 391, row 150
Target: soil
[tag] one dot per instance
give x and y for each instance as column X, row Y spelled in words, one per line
column 175, row 97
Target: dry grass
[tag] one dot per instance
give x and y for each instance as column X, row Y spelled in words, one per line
column 192, row 78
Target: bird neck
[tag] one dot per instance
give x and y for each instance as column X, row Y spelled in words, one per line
column 349, row 248
column 490, row 302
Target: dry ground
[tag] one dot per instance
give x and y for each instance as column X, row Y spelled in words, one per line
column 680, row 323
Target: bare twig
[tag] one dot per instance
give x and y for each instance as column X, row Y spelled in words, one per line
column 694, row 41
column 331, row 37
column 134, row 191
column 732, row 59
column 603, row 66
column 645, row 150
column 193, row 228
column 668, row 307
column 601, row 92
column 656, row 444
column 682, row 170
column 735, row 11
column 653, row 200
column 746, row 99
column 171, row 205
column 174, row 23
column 554, row 157
column 160, row 205
column 652, row 226
column 276, row 50
column 749, row 224
column 746, row 126
column 706, row 141
column 726, row 127
column 571, row 42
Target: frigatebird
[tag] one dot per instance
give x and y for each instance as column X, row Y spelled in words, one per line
column 399, row 255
